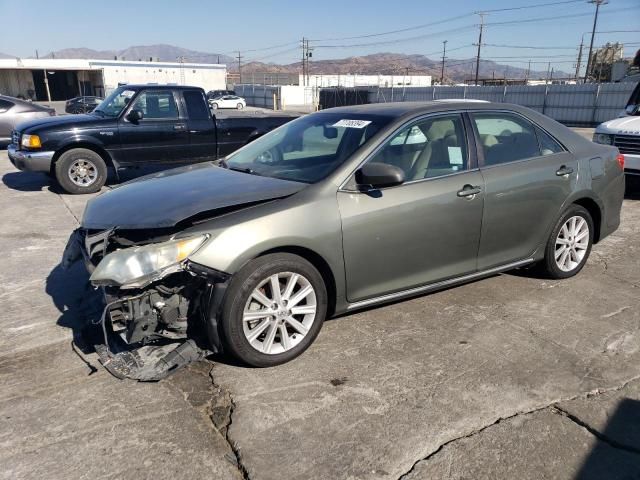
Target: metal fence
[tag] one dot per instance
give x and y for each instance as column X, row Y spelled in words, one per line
column 575, row 105
column 265, row 96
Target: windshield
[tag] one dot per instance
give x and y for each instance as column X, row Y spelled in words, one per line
column 115, row 103
column 309, row 148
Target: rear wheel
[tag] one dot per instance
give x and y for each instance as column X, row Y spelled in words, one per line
column 81, row 171
column 273, row 309
column 239, row 106
column 569, row 245
column 214, row 106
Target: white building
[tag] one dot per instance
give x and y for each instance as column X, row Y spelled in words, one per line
column 349, row 80
column 61, row 79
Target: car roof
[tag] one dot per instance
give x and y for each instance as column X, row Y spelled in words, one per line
column 149, row 86
column 24, row 103
column 410, row 109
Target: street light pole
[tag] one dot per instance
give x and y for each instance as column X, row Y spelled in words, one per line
column 482, row 14
column 593, row 33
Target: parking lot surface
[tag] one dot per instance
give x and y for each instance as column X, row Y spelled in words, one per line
column 509, row 377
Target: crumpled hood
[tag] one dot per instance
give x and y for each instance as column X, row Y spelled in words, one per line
column 163, row 199
column 51, row 123
column 629, row 125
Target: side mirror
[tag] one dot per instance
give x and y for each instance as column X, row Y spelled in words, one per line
column 632, row 109
column 135, row 115
column 379, row 175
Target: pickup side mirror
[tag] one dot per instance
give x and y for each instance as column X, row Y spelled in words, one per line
column 632, row 109
column 379, row 175
column 135, row 115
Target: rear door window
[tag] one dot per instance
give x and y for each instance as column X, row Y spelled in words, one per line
column 548, row 144
column 506, row 137
column 197, row 108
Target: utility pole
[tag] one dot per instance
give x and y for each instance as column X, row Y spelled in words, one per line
column 482, row 14
column 593, row 33
column 239, row 57
column 526, row 77
column 546, row 80
column 304, row 61
column 37, row 54
column 579, row 62
column 309, row 55
column 444, row 53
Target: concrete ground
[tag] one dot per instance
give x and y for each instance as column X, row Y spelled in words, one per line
column 509, row 377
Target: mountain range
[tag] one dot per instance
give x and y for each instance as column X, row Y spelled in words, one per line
column 456, row 70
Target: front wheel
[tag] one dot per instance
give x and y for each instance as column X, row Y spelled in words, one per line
column 239, row 106
column 214, row 106
column 273, row 309
column 570, row 243
column 81, row 171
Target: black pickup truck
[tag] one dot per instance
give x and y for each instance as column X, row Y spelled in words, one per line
column 134, row 126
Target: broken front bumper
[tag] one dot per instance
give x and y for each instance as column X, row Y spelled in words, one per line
column 151, row 332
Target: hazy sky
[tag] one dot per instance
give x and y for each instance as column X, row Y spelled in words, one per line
column 223, row 27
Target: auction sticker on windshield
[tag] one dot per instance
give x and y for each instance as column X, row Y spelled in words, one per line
column 352, row 123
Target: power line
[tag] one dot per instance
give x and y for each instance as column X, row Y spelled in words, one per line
column 555, row 17
column 391, row 32
column 552, row 4
column 528, row 47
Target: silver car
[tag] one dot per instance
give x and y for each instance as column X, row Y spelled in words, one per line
column 14, row 111
column 335, row 211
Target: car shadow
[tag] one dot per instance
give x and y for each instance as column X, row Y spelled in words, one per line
column 79, row 305
column 618, row 447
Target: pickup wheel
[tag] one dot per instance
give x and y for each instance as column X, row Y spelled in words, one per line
column 81, row 171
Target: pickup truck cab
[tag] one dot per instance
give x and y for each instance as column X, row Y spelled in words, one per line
column 134, row 126
column 624, row 133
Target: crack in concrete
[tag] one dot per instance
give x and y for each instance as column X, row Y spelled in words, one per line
column 223, row 422
column 68, row 208
column 551, row 407
column 599, row 435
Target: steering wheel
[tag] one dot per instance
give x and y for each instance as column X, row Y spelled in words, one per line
column 273, row 156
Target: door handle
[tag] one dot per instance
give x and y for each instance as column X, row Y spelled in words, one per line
column 564, row 170
column 469, row 191
column 179, row 126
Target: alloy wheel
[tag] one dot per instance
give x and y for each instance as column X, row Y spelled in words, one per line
column 279, row 312
column 572, row 243
column 83, row 172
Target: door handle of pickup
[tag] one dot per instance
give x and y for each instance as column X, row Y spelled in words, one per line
column 469, row 191
column 564, row 170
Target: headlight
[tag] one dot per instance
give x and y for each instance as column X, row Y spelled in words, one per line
column 138, row 266
column 603, row 138
column 31, row 141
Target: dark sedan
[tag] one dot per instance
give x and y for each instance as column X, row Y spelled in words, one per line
column 84, row 104
column 14, row 111
column 344, row 209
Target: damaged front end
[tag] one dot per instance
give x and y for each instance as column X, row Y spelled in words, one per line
column 157, row 303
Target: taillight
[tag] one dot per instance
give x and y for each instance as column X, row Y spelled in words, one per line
column 620, row 159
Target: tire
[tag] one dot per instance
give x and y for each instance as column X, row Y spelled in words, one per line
column 91, row 164
column 214, row 106
column 568, row 264
column 239, row 106
column 239, row 301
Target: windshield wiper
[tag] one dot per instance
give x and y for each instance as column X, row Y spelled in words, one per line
column 243, row 170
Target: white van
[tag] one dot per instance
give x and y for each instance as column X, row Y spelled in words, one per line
column 624, row 133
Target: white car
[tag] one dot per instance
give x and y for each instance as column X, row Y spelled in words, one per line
column 228, row 101
column 624, row 133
